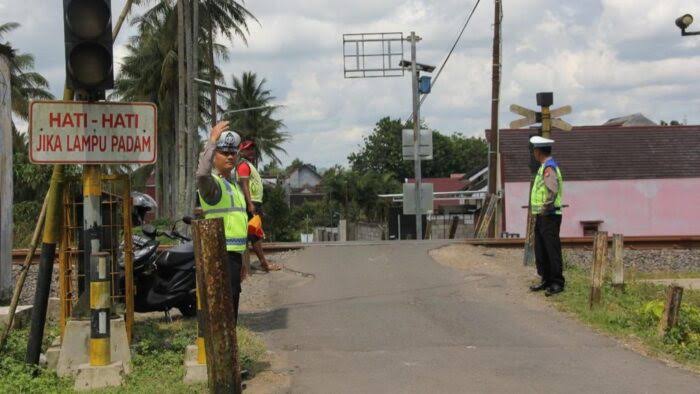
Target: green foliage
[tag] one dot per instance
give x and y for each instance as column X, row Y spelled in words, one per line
column 18, row 377
column 356, row 193
column 31, row 181
column 636, row 312
column 24, row 218
column 25, row 82
column 381, row 153
column 158, row 359
column 277, row 224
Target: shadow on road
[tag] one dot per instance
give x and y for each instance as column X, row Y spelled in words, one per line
column 266, row 321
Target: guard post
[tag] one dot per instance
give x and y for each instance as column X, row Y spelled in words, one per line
column 100, row 309
column 196, row 355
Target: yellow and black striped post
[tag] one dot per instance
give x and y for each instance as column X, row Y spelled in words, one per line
column 100, row 306
column 201, row 351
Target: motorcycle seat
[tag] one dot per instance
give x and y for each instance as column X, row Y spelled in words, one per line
column 177, row 255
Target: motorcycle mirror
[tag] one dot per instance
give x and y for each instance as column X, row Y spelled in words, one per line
column 149, row 230
column 187, row 220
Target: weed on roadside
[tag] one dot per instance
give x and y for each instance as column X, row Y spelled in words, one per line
column 158, row 352
column 635, row 313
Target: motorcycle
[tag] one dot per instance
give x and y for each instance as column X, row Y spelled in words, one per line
column 162, row 279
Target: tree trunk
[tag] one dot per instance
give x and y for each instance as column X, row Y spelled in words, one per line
column 182, row 111
column 189, row 171
column 158, row 176
column 195, row 95
column 212, row 74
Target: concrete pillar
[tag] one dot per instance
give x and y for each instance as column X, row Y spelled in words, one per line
column 5, row 180
column 343, row 230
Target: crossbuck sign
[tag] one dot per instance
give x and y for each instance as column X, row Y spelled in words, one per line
column 92, row 133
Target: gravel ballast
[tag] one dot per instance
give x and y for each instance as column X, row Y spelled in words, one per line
column 643, row 260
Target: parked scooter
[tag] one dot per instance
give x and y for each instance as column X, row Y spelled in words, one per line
column 162, row 279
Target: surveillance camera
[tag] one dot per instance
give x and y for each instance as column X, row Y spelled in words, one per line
column 419, row 66
column 684, row 21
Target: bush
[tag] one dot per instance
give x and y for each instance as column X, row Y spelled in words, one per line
column 24, row 215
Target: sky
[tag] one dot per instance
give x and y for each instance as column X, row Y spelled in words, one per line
column 606, row 58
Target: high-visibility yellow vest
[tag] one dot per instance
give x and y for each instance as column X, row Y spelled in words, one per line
column 232, row 208
column 538, row 196
column 255, row 183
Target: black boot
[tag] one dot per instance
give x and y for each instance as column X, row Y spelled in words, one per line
column 554, row 289
column 542, row 286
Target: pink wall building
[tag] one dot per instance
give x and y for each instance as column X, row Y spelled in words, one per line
column 638, row 181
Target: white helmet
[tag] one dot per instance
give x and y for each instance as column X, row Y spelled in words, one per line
column 228, row 141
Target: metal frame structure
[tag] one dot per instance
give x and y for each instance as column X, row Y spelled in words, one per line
column 443, row 196
column 354, row 47
column 117, row 201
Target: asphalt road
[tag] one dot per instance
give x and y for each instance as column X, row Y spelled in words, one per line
column 389, row 319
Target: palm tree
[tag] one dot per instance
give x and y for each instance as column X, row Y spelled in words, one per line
column 29, row 179
column 149, row 72
column 257, row 125
column 26, row 84
column 228, row 18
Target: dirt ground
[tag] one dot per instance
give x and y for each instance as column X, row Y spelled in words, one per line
column 504, row 264
column 255, row 298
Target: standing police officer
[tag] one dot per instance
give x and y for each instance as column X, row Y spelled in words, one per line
column 545, row 204
column 221, row 197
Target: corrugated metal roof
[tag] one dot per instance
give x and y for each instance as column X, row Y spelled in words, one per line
column 631, row 121
column 443, row 184
column 608, row 153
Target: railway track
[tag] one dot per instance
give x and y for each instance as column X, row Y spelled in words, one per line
column 18, row 255
column 665, row 242
column 661, row 242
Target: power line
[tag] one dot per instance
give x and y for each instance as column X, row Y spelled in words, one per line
column 449, row 54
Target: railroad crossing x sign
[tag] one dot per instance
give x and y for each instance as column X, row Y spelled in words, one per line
column 531, row 117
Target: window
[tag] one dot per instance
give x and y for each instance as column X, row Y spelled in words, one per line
column 590, row 227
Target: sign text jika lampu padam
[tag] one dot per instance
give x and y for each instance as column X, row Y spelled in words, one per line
column 92, row 133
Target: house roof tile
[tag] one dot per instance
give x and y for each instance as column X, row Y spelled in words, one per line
column 609, row 153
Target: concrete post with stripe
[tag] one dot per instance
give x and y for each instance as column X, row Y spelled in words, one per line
column 201, row 350
column 100, row 309
column 196, row 355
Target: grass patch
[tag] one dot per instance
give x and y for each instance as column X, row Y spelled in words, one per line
column 158, row 352
column 668, row 275
column 635, row 313
column 18, row 377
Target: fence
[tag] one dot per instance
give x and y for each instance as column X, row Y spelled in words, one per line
column 116, row 238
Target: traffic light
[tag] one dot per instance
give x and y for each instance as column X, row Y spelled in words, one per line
column 88, row 38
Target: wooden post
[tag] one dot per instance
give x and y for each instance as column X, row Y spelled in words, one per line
column 494, row 148
column 217, row 301
column 453, row 227
column 618, row 266
column 674, row 294
column 600, row 253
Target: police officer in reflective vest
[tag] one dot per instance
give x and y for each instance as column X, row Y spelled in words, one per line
column 221, row 197
column 545, row 204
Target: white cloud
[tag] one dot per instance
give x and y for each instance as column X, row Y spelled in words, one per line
column 606, row 58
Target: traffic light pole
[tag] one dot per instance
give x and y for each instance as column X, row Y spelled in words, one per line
column 416, row 136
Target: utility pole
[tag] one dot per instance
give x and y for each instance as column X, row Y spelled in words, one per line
column 494, row 149
column 416, row 135
column 5, row 176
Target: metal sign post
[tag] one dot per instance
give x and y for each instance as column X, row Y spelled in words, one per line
column 358, row 63
column 413, row 38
